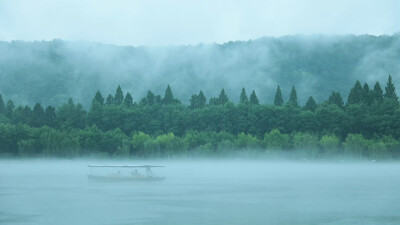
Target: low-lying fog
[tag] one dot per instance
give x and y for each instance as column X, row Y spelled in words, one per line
column 201, row 192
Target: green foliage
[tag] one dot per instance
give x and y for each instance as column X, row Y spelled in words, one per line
column 119, row 96
column 243, row 97
column 274, row 140
column 336, row 99
column 329, row 144
column 377, row 93
column 98, row 99
column 293, row 98
column 253, row 98
column 2, row 105
column 355, row 145
column 153, row 128
column 278, row 97
column 390, row 90
column 356, row 93
column 128, row 101
column 310, row 104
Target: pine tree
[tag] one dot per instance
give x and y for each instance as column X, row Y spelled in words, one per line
column 50, row 116
column 150, row 99
column 201, row 100
column 311, row 104
column 109, row 100
column 98, row 98
column 293, row 98
column 243, row 97
column 366, row 96
column 278, row 97
column 168, row 97
column 377, row 93
column 390, row 90
column 223, row 98
column 336, row 99
column 128, row 101
column 254, row 99
column 9, row 108
column 119, row 96
column 355, row 94
column 2, row 105
column 37, row 115
column 194, row 101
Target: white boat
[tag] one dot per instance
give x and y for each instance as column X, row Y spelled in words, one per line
column 133, row 176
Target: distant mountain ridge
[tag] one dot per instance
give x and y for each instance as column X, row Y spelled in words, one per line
column 52, row 71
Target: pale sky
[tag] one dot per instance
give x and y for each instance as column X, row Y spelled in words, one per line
column 172, row 22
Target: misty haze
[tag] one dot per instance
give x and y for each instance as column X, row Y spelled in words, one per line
column 200, row 112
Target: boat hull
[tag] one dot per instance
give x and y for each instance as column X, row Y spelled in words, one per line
column 125, row 178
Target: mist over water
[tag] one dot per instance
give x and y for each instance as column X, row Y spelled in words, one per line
column 201, row 192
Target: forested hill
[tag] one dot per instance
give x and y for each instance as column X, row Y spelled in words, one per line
column 51, row 72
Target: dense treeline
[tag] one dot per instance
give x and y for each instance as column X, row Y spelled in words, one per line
column 368, row 125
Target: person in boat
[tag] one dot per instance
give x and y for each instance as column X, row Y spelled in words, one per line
column 135, row 173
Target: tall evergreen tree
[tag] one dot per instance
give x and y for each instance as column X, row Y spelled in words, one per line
column 109, row 100
column 366, row 96
column 243, row 97
column 310, row 104
column 223, row 98
column 355, row 94
column 128, row 101
column 253, row 98
column 278, row 97
column 390, row 90
column 202, row 100
column 2, row 105
column 119, row 96
column 9, row 108
column 168, row 97
column 98, row 98
column 293, row 97
column 336, row 99
column 50, row 116
column 150, row 99
column 38, row 115
column 377, row 93
column 194, row 101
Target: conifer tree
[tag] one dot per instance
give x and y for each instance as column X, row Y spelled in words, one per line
column 254, row 99
column 311, row 104
column 168, row 97
column 293, row 97
column 98, row 98
column 37, row 115
column 119, row 96
column 355, row 94
column 278, row 97
column 377, row 93
column 128, row 101
column 366, row 96
column 9, row 108
column 223, row 98
column 336, row 99
column 109, row 100
column 390, row 90
column 201, row 100
column 194, row 101
column 2, row 105
column 243, row 97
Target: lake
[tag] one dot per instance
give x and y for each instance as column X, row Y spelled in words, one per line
column 201, row 192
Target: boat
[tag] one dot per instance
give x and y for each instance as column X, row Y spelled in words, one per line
column 133, row 176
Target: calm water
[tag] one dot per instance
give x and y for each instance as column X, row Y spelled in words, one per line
column 202, row 192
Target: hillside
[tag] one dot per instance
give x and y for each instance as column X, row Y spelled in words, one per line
column 51, row 72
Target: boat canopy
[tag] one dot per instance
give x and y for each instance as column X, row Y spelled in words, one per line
column 125, row 166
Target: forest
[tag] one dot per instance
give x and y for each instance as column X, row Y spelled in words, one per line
column 366, row 125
